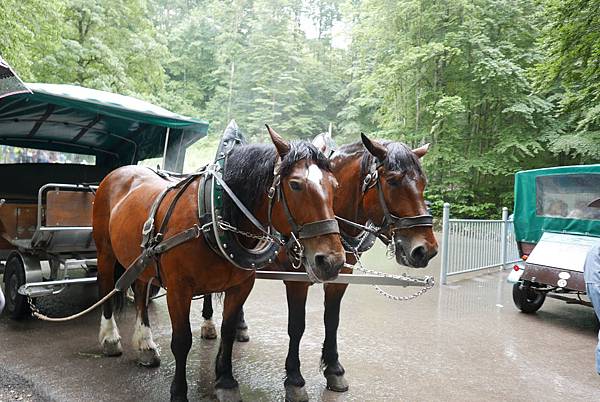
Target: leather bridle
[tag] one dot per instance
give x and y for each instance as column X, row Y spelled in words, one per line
column 294, row 247
column 391, row 223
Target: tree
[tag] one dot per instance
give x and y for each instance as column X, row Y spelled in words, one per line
column 569, row 76
column 453, row 74
column 109, row 45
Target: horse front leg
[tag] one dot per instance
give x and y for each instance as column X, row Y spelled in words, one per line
column 333, row 370
column 179, row 301
column 208, row 329
column 226, row 387
column 142, row 340
column 296, row 300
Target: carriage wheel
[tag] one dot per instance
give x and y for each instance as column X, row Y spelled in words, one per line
column 527, row 299
column 14, row 277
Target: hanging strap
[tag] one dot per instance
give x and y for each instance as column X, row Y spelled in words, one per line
column 240, row 204
column 137, row 267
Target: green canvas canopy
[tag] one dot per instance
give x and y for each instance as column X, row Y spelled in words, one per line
column 556, row 200
column 117, row 129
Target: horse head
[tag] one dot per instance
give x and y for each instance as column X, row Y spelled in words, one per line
column 305, row 207
column 395, row 182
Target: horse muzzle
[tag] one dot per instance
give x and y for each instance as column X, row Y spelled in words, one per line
column 417, row 256
column 324, row 266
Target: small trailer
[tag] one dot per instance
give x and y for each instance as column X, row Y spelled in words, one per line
column 555, row 227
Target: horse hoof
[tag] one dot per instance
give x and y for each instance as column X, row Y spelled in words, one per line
column 295, row 394
column 228, row 394
column 112, row 348
column 208, row 330
column 241, row 335
column 336, row 383
column 149, row 358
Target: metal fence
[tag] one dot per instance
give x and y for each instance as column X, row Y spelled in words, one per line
column 475, row 244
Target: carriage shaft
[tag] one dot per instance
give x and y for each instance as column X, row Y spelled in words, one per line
column 346, row 278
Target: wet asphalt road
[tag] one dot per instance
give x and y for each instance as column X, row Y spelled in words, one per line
column 462, row 342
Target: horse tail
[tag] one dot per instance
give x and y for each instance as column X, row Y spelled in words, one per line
column 119, row 297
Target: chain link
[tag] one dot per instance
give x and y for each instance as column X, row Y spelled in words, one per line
column 32, row 307
column 403, row 277
column 223, row 225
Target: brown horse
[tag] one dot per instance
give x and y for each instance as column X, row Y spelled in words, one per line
column 122, row 205
column 357, row 168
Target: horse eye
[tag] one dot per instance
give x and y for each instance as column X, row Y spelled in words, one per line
column 295, row 185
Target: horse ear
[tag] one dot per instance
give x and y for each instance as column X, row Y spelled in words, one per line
column 421, row 151
column 320, row 143
column 374, row 148
column 283, row 147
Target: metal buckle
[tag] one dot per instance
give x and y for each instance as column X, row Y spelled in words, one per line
column 390, row 251
column 148, row 226
column 296, row 252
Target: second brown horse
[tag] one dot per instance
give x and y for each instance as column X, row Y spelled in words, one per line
column 360, row 199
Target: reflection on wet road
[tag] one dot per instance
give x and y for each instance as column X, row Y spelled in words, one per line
column 465, row 341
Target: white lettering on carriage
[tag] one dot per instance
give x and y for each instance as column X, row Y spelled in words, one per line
column 109, row 332
column 315, row 174
column 142, row 336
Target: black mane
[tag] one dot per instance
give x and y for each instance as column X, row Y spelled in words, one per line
column 400, row 158
column 249, row 172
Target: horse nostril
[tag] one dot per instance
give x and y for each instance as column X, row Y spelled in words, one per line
column 433, row 253
column 418, row 253
column 320, row 259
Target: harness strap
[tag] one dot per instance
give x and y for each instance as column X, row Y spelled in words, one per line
column 387, row 219
column 318, row 228
column 240, row 204
column 137, row 267
column 286, row 210
column 148, row 228
column 412, row 221
column 182, row 186
column 357, row 225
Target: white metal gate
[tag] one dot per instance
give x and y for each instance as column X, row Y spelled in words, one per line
column 475, row 244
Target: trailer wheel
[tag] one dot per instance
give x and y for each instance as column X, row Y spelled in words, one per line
column 527, row 299
column 14, row 277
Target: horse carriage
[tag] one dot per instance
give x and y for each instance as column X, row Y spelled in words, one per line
column 255, row 204
column 58, row 142
column 555, row 226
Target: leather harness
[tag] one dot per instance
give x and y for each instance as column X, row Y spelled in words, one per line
column 391, row 223
column 220, row 237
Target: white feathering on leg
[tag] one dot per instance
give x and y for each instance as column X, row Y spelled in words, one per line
column 109, row 332
column 142, row 336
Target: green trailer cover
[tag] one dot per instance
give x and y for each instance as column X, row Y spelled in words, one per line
column 529, row 224
column 70, row 118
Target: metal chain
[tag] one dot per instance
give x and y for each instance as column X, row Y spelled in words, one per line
column 32, row 306
column 403, row 277
column 223, row 225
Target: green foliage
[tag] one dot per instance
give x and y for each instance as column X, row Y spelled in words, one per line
column 495, row 86
column 570, row 77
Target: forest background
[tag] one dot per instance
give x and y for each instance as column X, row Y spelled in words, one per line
column 496, row 86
